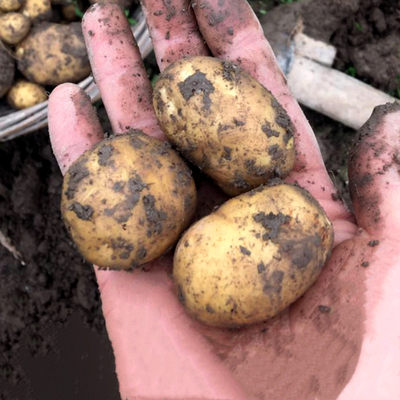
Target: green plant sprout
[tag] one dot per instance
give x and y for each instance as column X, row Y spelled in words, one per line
column 132, row 21
column 351, row 71
column 77, row 10
column 359, row 27
column 154, row 79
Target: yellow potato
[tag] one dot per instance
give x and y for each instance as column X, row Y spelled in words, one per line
column 254, row 256
column 37, row 9
column 10, row 5
column 26, row 94
column 126, row 200
column 14, row 27
column 53, row 53
column 225, row 122
column 7, row 69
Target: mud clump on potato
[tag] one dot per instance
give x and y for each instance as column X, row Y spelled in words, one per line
column 224, row 121
column 254, row 256
column 126, row 200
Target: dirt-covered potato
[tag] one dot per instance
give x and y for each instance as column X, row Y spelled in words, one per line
column 37, row 9
column 53, row 53
column 10, row 5
column 225, row 122
column 252, row 257
column 14, row 27
column 126, row 200
column 24, row 94
column 7, row 69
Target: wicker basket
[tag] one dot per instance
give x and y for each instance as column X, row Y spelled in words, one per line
column 30, row 119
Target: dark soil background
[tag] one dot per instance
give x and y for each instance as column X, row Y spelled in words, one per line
column 53, row 343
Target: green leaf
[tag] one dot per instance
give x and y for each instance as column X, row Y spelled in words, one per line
column 359, row 27
column 154, row 79
column 132, row 21
column 78, row 11
column 351, row 71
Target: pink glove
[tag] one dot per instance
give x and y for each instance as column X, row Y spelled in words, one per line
column 342, row 338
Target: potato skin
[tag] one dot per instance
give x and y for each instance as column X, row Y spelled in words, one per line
column 126, row 200
column 252, row 257
column 24, row 94
column 10, row 5
column 53, row 53
column 38, row 10
column 224, row 121
column 14, row 27
column 7, row 69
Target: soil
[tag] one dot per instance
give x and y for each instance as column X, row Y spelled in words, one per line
column 366, row 34
column 48, row 281
column 52, row 336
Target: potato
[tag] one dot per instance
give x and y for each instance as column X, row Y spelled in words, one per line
column 14, row 27
column 7, row 69
column 24, row 94
column 69, row 13
column 225, row 122
column 252, row 257
column 37, row 9
column 53, row 53
column 10, row 5
column 126, row 200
